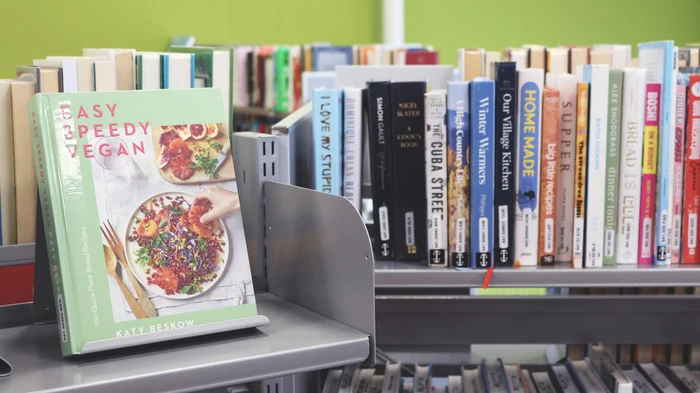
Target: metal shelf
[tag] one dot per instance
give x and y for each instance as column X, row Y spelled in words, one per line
column 20, row 254
column 297, row 340
column 393, row 275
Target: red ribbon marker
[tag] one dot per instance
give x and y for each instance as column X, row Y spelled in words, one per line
column 487, row 279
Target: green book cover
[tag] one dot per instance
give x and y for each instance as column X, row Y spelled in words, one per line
column 612, row 170
column 282, row 78
column 141, row 213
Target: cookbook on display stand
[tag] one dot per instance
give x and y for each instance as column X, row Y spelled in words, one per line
column 142, row 217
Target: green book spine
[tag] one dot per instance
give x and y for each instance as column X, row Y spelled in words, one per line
column 612, row 170
column 282, row 78
column 139, row 72
column 48, row 180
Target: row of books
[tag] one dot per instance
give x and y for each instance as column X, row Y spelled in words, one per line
column 597, row 373
column 523, row 170
column 272, row 76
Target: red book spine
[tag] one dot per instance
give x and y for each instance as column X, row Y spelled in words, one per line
column 691, row 254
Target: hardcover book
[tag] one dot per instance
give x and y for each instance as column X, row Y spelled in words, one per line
column 481, row 98
column 677, row 218
column 8, row 223
column 661, row 61
column 562, row 378
column 631, row 141
column 493, row 377
column 504, row 189
column 328, row 140
column 282, row 80
column 472, row 381
column 648, row 192
column 612, row 166
column 598, row 76
column 352, row 146
column 543, row 382
column 549, row 176
column 407, row 105
column 458, row 208
column 530, row 85
column 380, row 142
column 513, row 380
column 566, row 84
column 123, row 185
column 691, row 254
column 436, row 176
column 326, row 58
column 580, row 174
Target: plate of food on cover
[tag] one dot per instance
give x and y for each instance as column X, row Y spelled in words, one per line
column 170, row 251
column 193, row 153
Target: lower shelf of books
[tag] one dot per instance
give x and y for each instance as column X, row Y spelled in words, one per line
column 297, row 340
column 419, row 275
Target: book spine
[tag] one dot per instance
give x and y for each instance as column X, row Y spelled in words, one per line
column 530, row 83
column 407, row 125
column 597, row 146
column 567, row 163
column 691, row 254
column 550, row 162
column 612, row 166
column 381, row 161
column 49, row 184
column 648, row 194
column 327, row 134
column 482, row 94
column 582, row 89
column 352, row 147
column 677, row 221
column 633, row 101
column 282, row 78
column 436, row 176
column 504, row 190
column 458, row 173
column 667, row 141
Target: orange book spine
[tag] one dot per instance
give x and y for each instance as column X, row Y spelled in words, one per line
column 548, row 176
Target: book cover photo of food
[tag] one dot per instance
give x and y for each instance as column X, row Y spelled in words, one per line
column 142, row 217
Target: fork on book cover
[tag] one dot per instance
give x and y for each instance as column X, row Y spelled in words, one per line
column 116, row 245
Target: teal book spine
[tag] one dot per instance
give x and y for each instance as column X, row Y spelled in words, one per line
column 328, row 140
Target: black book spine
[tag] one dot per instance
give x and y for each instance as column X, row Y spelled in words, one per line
column 408, row 138
column 504, row 190
column 379, row 122
column 250, row 62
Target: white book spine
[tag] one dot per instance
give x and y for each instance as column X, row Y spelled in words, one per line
column 436, row 176
column 566, row 84
column 422, row 379
column 352, row 147
column 454, row 384
column 392, row 378
column 595, row 171
column 530, row 87
column 460, row 65
column 633, row 105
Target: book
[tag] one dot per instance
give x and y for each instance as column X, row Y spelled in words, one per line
column 472, row 381
column 377, row 384
column 557, row 60
column 85, row 67
column 67, row 70
column 363, row 384
column 612, row 166
column 513, row 379
column 436, row 176
column 422, row 379
column 548, row 175
column 691, row 188
column 543, row 382
column 656, row 377
column 481, row 98
column 148, row 69
column 608, row 370
column 8, row 228
column 178, row 70
column 517, row 55
column 419, row 57
column 679, row 137
column 649, row 159
column 578, row 246
column 601, row 56
column 458, row 208
column 106, row 75
column 491, row 58
column 598, row 76
column 121, row 186
column 578, row 56
column 25, row 187
column 640, row 383
column 407, row 105
column 585, row 376
column 631, row 143
column 392, row 378
column 454, row 384
column 346, row 378
column 332, row 384
column 241, row 70
column 328, row 140
column 470, row 64
column 295, row 76
column 561, row 378
column 493, row 377
column 326, row 58
column 566, row 84
column 352, row 146
column 660, row 60
column 530, row 85
column 123, row 64
column 528, row 383
column 282, row 80
column 504, row 189
column 381, row 160
column 537, row 56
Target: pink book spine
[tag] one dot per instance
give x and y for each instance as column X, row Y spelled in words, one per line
column 677, row 222
column 649, row 157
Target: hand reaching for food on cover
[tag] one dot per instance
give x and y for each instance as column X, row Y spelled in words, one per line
column 223, row 203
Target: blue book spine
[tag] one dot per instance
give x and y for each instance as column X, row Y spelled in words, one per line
column 165, row 71
column 192, row 69
column 458, row 173
column 482, row 97
column 328, row 140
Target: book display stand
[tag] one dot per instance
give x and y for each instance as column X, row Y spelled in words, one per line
column 307, row 281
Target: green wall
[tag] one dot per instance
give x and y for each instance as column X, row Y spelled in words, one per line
column 49, row 27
